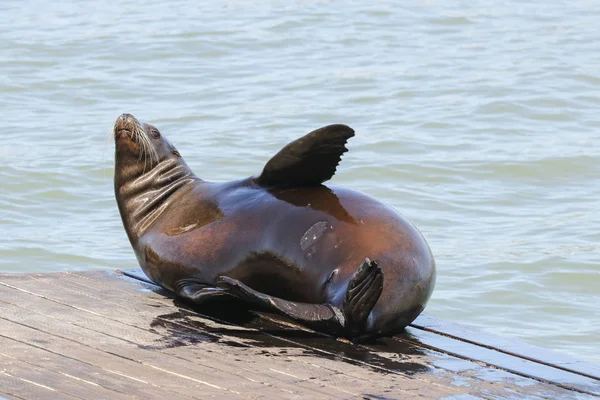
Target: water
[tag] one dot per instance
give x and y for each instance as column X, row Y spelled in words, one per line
column 478, row 122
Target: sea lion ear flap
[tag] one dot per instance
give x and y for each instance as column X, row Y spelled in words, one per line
column 310, row 160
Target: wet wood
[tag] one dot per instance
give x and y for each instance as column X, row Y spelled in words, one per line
column 104, row 335
column 511, row 347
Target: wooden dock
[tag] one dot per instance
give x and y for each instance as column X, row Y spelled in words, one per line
column 107, row 335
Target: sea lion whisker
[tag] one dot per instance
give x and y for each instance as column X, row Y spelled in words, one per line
column 110, row 134
column 146, row 149
column 145, row 146
column 144, row 154
column 153, row 152
column 136, row 138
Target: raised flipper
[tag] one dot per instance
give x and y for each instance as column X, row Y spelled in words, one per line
column 196, row 292
column 308, row 161
column 363, row 291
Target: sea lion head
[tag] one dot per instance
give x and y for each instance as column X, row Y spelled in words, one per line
column 139, row 147
column 148, row 171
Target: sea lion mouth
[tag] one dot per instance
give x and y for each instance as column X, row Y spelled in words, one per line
column 123, row 133
column 125, row 126
column 128, row 127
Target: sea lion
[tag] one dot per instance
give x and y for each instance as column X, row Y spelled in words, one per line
column 334, row 259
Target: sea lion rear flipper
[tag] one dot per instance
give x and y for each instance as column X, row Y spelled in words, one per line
column 196, row 292
column 310, row 160
column 321, row 317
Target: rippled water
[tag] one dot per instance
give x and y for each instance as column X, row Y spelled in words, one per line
column 478, row 122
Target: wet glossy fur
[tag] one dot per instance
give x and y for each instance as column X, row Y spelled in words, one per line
column 298, row 243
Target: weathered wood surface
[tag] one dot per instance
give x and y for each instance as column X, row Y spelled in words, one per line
column 101, row 335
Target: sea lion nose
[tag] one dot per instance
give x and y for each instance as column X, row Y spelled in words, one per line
column 126, row 118
column 125, row 121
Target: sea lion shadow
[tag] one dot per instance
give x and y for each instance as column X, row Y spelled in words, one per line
column 231, row 323
column 226, row 309
column 235, row 313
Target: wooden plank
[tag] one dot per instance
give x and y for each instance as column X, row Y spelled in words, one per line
column 217, row 381
column 219, row 368
column 149, row 342
column 69, row 366
column 110, row 362
column 18, row 388
column 523, row 366
column 510, row 347
column 58, row 380
column 258, row 355
column 142, row 340
column 12, row 396
column 138, row 336
column 486, row 373
column 517, row 365
column 110, row 311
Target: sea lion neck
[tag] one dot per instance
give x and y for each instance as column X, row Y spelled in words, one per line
column 149, row 172
column 143, row 193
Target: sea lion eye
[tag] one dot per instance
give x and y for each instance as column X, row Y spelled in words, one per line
column 155, row 134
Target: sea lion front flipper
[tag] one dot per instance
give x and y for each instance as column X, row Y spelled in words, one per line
column 363, row 291
column 321, row 317
column 310, row 160
column 196, row 292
